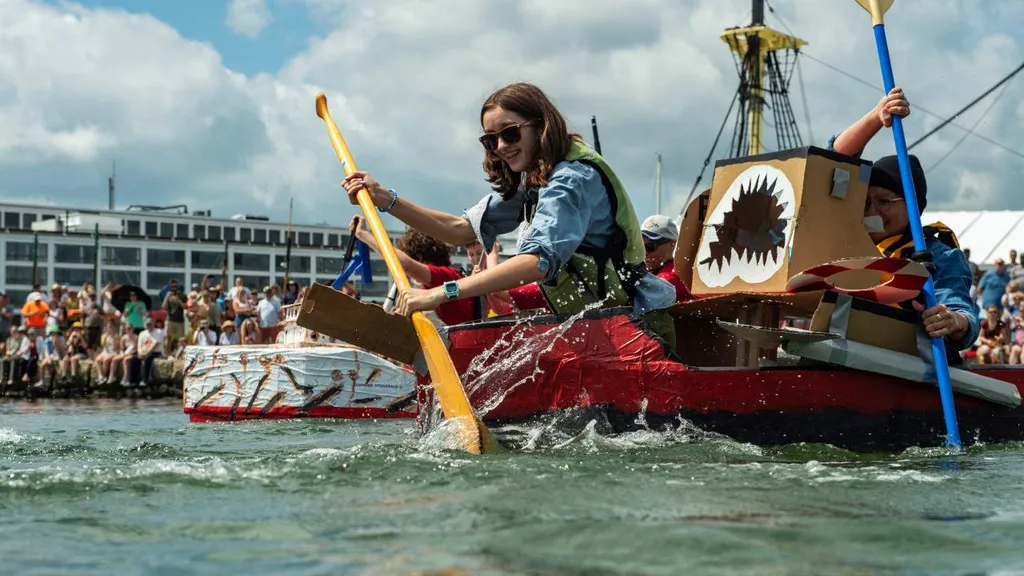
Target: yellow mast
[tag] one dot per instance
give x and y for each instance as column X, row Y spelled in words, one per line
column 752, row 44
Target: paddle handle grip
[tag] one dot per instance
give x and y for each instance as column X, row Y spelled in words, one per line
column 941, row 362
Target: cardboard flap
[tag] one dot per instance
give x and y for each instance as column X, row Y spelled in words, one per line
column 766, row 337
column 328, row 311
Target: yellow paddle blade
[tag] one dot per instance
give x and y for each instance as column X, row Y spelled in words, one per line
column 876, row 8
column 470, row 432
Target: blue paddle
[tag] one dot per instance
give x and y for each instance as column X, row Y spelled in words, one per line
column 877, row 8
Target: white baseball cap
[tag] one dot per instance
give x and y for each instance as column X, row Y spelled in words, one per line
column 659, row 227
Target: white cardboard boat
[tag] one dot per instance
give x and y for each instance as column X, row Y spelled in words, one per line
column 303, row 375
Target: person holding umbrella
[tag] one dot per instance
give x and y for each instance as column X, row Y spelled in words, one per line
column 134, row 312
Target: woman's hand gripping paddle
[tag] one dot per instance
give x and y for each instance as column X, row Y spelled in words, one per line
column 877, row 8
column 470, row 432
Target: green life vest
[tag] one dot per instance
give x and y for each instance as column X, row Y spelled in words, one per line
column 586, row 278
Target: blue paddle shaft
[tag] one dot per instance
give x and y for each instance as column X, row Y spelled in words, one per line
column 938, row 345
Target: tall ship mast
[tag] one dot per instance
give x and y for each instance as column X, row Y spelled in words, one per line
column 765, row 60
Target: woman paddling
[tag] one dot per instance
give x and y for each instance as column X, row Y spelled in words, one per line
column 582, row 243
column 885, row 215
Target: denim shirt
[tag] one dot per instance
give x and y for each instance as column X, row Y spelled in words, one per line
column 952, row 281
column 573, row 209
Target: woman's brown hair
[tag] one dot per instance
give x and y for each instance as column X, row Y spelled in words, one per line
column 532, row 104
column 423, row 248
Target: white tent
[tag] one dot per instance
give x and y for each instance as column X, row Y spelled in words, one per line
column 987, row 234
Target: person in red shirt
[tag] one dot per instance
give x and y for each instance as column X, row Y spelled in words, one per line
column 660, row 234
column 428, row 262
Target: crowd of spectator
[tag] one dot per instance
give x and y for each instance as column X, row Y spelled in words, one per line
column 999, row 293
column 44, row 341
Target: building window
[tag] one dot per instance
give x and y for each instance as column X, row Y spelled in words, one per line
column 150, row 228
column 23, row 275
column 259, row 236
column 22, row 251
column 161, row 258
column 72, row 276
column 212, row 279
column 303, row 238
column 204, row 259
column 299, row 264
column 199, row 231
column 229, row 233
column 275, row 236
column 181, row 231
column 213, row 233
column 344, row 240
column 156, row 280
column 71, row 254
column 129, row 277
column 254, row 283
column 300, row 280
column 318, row 238
column 28, row 219
column 120, row 256
column 166, row 230
column 332, row 240
column 12, row 219
column 329, row 265
column 133, row 228
column 379, row 268
column 258, row 262
column 245, row 234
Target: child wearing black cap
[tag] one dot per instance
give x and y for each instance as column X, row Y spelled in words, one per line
column 955, row 318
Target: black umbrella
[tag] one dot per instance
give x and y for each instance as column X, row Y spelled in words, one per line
column 121, row 296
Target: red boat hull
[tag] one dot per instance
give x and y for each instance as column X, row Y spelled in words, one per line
column 610, row 363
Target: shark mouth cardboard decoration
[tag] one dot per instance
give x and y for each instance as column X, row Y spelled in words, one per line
column 748, row 231
column 769, row 217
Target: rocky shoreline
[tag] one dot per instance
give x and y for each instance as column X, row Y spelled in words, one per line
column 168, row 379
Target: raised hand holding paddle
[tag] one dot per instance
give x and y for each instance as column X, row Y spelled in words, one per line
column 470, row 431
column 877, row 8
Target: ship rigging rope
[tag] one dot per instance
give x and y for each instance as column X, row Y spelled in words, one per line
column 711, row 152
column 963, row 137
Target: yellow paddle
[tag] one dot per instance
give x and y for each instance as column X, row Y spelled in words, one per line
column 470, row 432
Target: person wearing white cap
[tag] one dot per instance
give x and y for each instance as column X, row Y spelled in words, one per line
column 660, row 234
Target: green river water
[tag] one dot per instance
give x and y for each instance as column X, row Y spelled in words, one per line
column 110, row 487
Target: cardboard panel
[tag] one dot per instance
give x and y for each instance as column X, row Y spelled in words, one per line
column 871, row 323
column 328, row 311
column 689, row 236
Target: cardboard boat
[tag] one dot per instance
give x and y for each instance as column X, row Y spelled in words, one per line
column 304, row 375
column 776, row 241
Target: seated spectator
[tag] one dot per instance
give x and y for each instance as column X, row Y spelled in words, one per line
column 75, row 351
column 1017, row 337
column 110, row 349
column 249, row 332
column 16, row 361
column 129, row 347
column 994, row 337
column 151, row 345
column 204, row 335
column 51, row 359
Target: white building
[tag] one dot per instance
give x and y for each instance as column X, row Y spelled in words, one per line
column 147, row 248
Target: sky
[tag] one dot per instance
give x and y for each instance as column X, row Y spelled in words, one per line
column 210, row 103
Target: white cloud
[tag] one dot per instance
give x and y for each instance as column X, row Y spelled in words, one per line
column 247, row 17
column 405, row 81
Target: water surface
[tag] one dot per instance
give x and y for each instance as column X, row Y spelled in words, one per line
column 111, row 487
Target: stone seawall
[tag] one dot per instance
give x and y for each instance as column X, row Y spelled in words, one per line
column 168, row 377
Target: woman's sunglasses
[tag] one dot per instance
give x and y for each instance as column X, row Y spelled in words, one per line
column 652, row 245
column 509, row 134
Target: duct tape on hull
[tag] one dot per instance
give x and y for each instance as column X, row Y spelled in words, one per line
column 851, row 354
column 277, row 381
